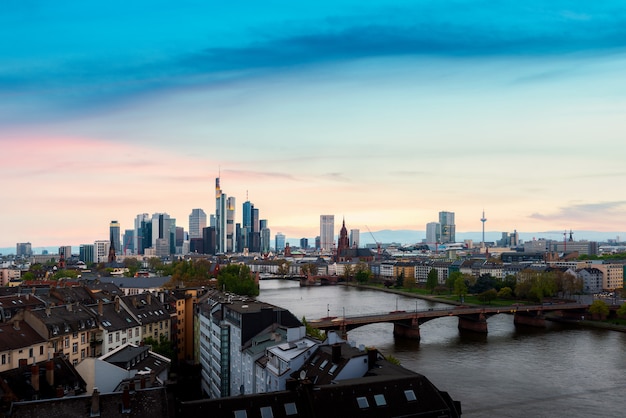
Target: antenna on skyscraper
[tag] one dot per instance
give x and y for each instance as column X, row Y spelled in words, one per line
column 483, row 220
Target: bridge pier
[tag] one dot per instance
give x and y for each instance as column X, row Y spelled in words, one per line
column 534, row 319
column 474, row 323
column 406, row 331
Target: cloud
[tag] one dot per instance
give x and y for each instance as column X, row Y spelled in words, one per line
column 583, row 212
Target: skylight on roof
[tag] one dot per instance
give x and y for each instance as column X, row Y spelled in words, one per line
column 362, row 402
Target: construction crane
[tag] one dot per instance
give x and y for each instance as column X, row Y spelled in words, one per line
column 376, row 241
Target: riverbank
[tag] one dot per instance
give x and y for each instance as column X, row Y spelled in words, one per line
column 550, row 317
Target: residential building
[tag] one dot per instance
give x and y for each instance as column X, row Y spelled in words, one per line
column 69, row 329
column 101, row 251
column 153, row 315
column 592, row 279
column 20, row 344
column 117, row 325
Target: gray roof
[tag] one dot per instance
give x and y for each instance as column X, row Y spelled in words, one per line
column 137, row 282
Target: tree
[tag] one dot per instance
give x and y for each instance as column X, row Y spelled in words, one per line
column 621, row 311
column 348, row 272
column 133, row 265
column 488, row 295
column 62, row 274
column 599, row 309
column 451, row 279
column 400, row 280
column 237, row 278
column 283, row 268
column 313, row 332
column 505, row 293
column 432, row 280
column 483, row 283
column 460, row 288
column 162, row 347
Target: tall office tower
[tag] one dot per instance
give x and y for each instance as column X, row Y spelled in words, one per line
column 101, row 251
column 265, row 237
column 163, row 234
column 355, row 237
column 23, row 249
column 433, row 233
column 231, row 237
column 143, row 233
column 86, row 253
column 128, row 242
column 209, row 238
column 197, row 221
column 280, row 242
column 66, row 251
column 114, row 233
column 318, row 243
column 179, row 239
column 327, row 232
column 220, row 218
column 304, row 243
column 448, row 228
column 254, row 239
column 246, row 225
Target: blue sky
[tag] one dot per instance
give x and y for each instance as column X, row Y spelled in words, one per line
column 382, row 112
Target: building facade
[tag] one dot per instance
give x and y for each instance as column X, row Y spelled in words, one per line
column 327, row 232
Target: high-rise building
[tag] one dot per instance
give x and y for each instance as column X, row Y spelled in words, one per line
column 143, row 233
column 433, row 233
column 24, row 249
column 86, row 253
column 265, row 237
column 65, row 251
column 327, row 232
column 128, row 243
column 448, row 228
column 231, row 236
column 197, row 221
column 355, row 238
column 304, row 243
column 101, row 251
column 163, row 234
column 280, row 242
column 209, row 238
column 221, row 220
column 114, row 233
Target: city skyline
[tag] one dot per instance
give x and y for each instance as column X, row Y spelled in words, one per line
column 383, row 113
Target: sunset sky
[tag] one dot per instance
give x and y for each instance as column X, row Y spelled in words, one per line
column 382, row 112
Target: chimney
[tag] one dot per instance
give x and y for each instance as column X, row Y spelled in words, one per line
column 69, row 307
column 34, row 377
column 149, row 298
column 131, row 386
column 48, row 310
column 16, row 325
column 126, row 401
column 372, row 355
column 336, row 353
column 33, row 290
column 50, row 372
column 95, row 403
column 60, row 392
column 117, row 304
column 100, row 307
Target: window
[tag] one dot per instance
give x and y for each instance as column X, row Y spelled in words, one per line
column 82, row 353
column 75, row 335
column 290, row 409
column 241, row 414
column 380, row 400
column 266, row 412
column 362, row 402
column 30, row 352
column 67, row 342
column 75, row 348
column 4, row 359
column 82, row 338
column 117, row 337
column 410, row 395
column 110, row 338
column 41, row 350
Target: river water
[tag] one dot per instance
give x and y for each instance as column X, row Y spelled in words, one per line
column 559, row 371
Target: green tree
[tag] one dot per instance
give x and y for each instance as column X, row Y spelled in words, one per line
column 162, row 347
column 283, row 268
column 363, row 276
column 348, row 272
column 488, row 295
column 313, row 332
column 28, row 276
column 621, row 311
column 237, row 278
column 432, row 280
column 133, row 265
column 400, row 280
column 62, row 274
column 505, row 293
column 460, row 288
column 599, row 309
column 451, row 279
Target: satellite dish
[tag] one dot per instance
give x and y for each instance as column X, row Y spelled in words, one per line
column 302, row 374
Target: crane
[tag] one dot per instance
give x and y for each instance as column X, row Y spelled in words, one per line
column 376, row 241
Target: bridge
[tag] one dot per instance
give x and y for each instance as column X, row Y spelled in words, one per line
column 471, row 318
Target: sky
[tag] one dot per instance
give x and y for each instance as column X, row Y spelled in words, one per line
column 382, row 113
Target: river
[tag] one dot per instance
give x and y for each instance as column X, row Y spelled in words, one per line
column 559, row 371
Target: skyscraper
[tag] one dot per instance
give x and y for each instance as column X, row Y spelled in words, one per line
column 327, row 232
column 143, row 233
column 128, row 243
column 265, row 236
column 231, row 236
column 355, row 237
column 197, row 221
column 23, row 249
column 280, row 242
column 86, row 253
column 114, row 232
column 220, row 218
column 448, row 228
column 163, row 234
column 433, row 233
